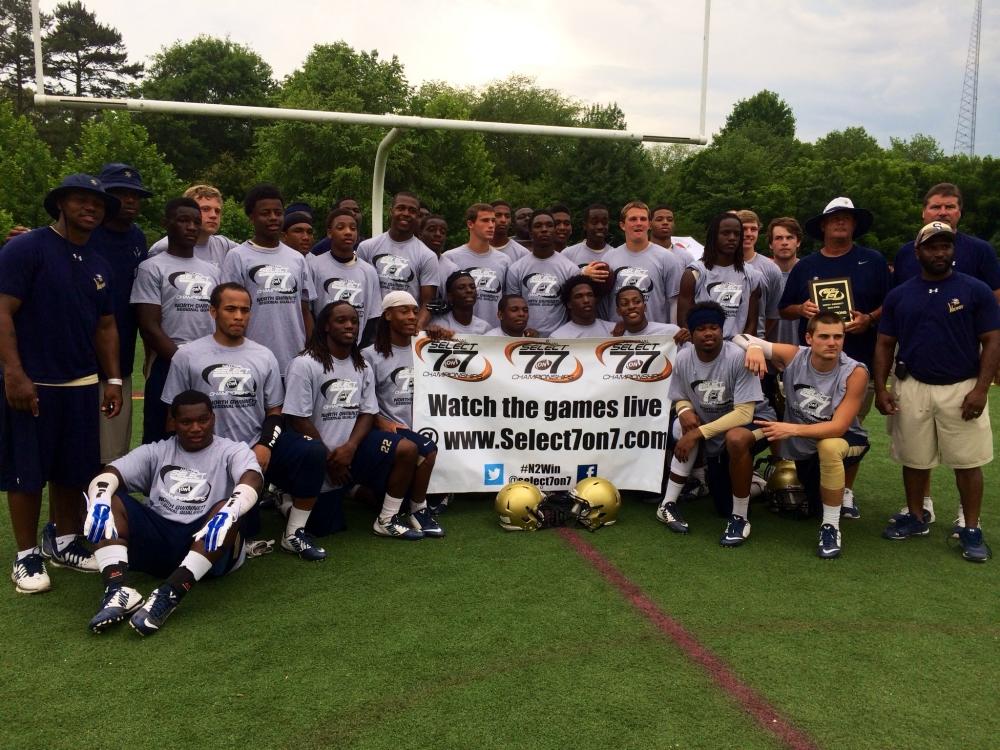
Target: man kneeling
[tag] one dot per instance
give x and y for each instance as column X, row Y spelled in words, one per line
column 198, row 487
column 824, row 389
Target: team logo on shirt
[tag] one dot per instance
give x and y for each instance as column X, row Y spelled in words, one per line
column 402, row 378
column 341, row 401
column 393, row 267
column 193, row 285
column 632, row 276
column 98, row 281
column 542, row 360
column 633, row 359
column 728, row 295
column 954, row 305
column 343, row 290
column 230, row 380
column 811, row 403
column 487, row 281
column 711, row 392
column 272, row 278
column 185, row 485
column 456, row 359
column 542, row 285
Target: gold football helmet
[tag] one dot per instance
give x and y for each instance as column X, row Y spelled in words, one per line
column 599, row 501
column 517, row 506
column 786, row 491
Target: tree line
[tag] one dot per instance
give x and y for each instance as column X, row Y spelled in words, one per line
column 755, row 160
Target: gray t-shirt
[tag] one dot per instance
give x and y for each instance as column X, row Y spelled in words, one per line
column 581, row 254
column 812, row 396
column 181, row 485
column 514, row 250
column 405, row 266
column 730, row 288
column 355, row 281
column 478, row 326
column 393, row 382
column 655, row 329
column 687, row 255
column 772, row 284
column 787, row 331
column 331, row 400
column 655, row 271
column 213, row 251
column 181, row 287
column 242, row 381
column 498, row 331
column 279, row 282
column 489, row 269
column 539, row 281
column 599, row 329
column 714, row 388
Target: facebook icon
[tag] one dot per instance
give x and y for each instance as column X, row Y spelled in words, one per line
column 584, row 471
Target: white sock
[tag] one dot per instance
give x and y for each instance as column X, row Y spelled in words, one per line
column 831, row 515
column 63, row 541
column 741, row 506
column 197, row 563
column 961, row 516
column 21, row 554
column 284, row 504
column 417, row 507
column 848, row 498
column 390, row 507
column 673, row 492
column 929, row 503
column 698, row 472
column 297, row 519
column 113, row 554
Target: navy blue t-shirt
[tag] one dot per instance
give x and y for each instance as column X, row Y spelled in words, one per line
column 64, row 289
column 973, row 256
column 123, row 251
column 870, row 282
column 937, row 325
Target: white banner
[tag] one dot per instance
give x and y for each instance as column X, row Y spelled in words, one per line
column 548, row 411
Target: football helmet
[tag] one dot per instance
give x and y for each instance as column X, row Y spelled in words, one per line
column 517, row 506
column 599, row 502
column 786, row 491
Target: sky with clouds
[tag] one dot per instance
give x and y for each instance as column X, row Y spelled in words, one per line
column 894, row 68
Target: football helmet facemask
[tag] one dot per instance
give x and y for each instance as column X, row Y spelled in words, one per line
column 786, row 491
column 517, row 506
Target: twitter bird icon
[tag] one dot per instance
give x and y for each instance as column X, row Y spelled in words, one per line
column 492, row 474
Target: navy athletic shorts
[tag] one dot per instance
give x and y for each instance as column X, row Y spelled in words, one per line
column 298, row 464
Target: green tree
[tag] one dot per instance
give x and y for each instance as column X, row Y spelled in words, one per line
column 764, row 110
column 27, row 169
column 920, row 148
column 235, row 225
column 17, row 59
column 88, row 58
column 847, row 144
column 212, row 71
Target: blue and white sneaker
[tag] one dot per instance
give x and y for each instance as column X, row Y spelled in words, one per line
column 974, row 549
column 424, row 521
column 29, row 575
column 929, row 516
column 439, row 504
column 118, row 603
column 158, row 607
column 668, row 513
column 850, row 508
column 829, row 542
column 304, row 545
column 396, row 529
column 905, row 526
column 737, row 531
column 75, row 556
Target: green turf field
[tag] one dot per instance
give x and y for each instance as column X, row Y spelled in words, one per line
column 486, row 639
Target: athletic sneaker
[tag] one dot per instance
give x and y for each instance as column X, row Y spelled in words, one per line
column 852, row 510
column 29, row 575
column 118, row 603
column 829, row 542
column 439, row 507
column 424, row 522
column 668, row 514
column 304, row 545
column 974, row 549
column 396, row 529
column 737, row 531
column 75, row 556
column 929, row 516
column 905, row 526
column 158, row 607
column 957, row 528
column 693, row 489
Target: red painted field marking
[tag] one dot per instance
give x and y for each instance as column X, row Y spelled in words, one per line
column 766, row 715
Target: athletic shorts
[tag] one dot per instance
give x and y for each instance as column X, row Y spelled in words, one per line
column 929, row 429
column 61, row 444
column 157, row 545
column 298, row 464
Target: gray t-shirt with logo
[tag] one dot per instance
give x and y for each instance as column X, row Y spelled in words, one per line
column 354, row 281
column 655, row 271
column 514, row 250
column 181, row 287
column 478, row 326
column 404, row 266
column 539, row 281
column 582, row 255
column 393, row 382
column 279, row 282
column 489, row 269
column 242, row 381
column 181, row 485
column 730, row 288
column 772, row 284
column 599, row 329
column 213, row 251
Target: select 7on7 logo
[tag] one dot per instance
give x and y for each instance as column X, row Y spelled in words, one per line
column 543, row 360
column 453, row 358
column 633, row 359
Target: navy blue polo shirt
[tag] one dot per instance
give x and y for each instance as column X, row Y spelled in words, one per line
column 973, row 256
column 870, row 282
column 123, row 251
column 937, row 325
column 64, row 289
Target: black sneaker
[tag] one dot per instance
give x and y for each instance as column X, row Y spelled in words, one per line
column 974, row 549
column 118, row 603
column 737, row 531
column 906, row 525
column 304, row 545
column 158, row 607
column 829, row 542
column 667, row 513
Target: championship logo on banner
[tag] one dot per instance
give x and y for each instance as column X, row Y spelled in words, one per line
column 547, row 411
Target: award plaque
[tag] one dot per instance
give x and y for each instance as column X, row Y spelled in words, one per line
column 833, row 295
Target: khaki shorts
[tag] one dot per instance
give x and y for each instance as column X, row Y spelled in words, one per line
column 929, row 429
column 116, row 434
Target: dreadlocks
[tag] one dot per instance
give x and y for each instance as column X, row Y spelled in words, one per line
column 318, row 346
column 383, row 337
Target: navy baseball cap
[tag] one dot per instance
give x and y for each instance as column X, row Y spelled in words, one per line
column 80, row 182
column 116, row 175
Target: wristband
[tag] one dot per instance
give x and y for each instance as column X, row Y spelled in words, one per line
column 114, row 381
column 683, row 409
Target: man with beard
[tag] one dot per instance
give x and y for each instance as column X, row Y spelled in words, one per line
column 522, row 228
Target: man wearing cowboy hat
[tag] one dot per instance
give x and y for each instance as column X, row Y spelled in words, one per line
column 57, row 330
column 947, row 327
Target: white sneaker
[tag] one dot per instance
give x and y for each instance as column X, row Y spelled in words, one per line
column 396, row 529
column 118, row 603
column 29, row 575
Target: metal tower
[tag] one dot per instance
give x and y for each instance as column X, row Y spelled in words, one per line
column 965, row 133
